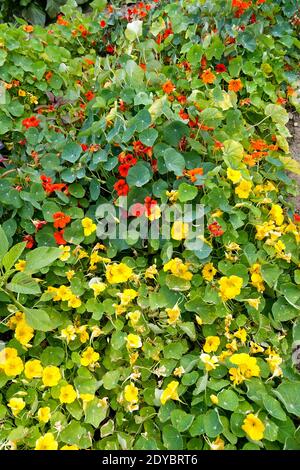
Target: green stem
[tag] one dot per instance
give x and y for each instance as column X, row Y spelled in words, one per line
column 12, row 297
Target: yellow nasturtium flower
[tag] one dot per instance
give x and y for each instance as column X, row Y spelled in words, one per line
column 173, row 314
column 16, row 405
column 33, row 369
column 211, row 344
column 127, row 296
column 89, row 226
column 208, row 272
column 44, row 414
column 230, row 287
column 20, row 265
column 67, row 394
column 253, row 427
column 170, row 393
column 243, row 189
column 118, row 272
column 276, row 214
column 89, row 357
column 210, row 362
column 233, row 175
column 46, row 442
column 10, row 362
column 178, row 268
column 51, row 376
column 179, row 230
column 71, row 447
column 133, row 341
column 131, row 393
column 24, row 333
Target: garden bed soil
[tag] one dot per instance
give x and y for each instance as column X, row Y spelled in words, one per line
column 294, row 128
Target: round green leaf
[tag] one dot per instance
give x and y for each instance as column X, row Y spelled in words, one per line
column 138, row 175
column 181, row 420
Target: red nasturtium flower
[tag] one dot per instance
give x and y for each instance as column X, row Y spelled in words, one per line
column 280, row 100
column 140, row 149
column 83, row 30
column 39, row 224
column 194, row 123
column 159, row 39
column 215, row 229
column 241, row 7
column 137, row 210
column 88, row 61
column 59, row 237
column 123, row 169
column 89, row 95
column 296, row 218
column 203, row 127
column 167, row 33
column 235, row 85
column 121, row 187
column 149, row 203
column 84, row 147
column 229, row 40
column 48, row 75
column 181, row 99
column 102, row 23
column 218, row 145
column 207, row 76
column 122, row 105
column 203, row 62
column 130, row 160
column 154, row 165
column 183, row 114
column 30, row 241
column 50, row 187
column 168, row 87
column 186, row 65
column 31, row 122
column 60, row 20
column 110, row 49
column 220, row 68
column 60, row 219
column 127, row 159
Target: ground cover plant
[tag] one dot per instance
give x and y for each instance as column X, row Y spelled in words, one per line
column 158, row 343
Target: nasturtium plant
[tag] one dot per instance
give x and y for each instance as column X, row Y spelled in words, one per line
column 149, row 243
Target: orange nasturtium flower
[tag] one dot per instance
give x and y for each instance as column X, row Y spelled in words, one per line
column 235, row 85
column 207, row 76
column 60, row 219
column 28, row 28
column 192, row 174
column 168, row 87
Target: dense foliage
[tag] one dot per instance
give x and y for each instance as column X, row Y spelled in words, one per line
column 150, row 344
column 34, row 11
